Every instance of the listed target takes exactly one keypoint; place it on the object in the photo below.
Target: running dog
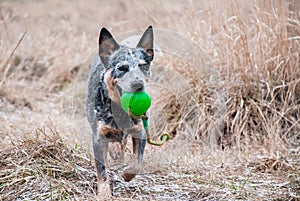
(117, 69)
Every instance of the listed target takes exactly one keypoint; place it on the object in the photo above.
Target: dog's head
(127, 69)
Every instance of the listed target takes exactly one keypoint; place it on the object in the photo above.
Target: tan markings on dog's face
(111, 87)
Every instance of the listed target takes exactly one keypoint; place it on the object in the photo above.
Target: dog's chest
(110, 115)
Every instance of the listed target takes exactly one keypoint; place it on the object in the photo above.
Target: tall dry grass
(251, 95)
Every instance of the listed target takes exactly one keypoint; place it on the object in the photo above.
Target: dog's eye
(123, 68)
(144, 67)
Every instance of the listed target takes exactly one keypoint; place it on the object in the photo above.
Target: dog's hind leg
(138, 151)
(116, 151)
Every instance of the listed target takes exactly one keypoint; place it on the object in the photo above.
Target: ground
(239, 55)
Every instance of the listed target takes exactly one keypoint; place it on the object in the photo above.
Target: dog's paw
(129, 173)
(104, 191)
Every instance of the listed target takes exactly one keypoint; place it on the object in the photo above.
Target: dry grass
(227, 86)
(251, 94)
(42, 167)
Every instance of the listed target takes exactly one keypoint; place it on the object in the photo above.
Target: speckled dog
(117, 69)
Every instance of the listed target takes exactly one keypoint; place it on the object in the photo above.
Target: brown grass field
(226, 83)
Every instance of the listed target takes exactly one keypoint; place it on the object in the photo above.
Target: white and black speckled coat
(117, 68)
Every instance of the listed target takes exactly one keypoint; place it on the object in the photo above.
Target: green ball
(138, 102)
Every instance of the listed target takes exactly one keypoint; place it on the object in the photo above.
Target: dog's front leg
(139, 143)
(100, 145)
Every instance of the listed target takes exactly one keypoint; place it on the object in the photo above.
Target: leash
(163, 139)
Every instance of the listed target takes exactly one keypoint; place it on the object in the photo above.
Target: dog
(117, 69)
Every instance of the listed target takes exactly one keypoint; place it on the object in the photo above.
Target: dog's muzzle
(137, 85)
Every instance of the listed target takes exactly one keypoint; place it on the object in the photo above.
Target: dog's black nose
(137, 85)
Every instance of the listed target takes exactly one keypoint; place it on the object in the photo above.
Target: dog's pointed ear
(146, 41)
(107, 45)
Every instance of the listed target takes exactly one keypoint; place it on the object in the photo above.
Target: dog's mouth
(140, 89)
(121, 91)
